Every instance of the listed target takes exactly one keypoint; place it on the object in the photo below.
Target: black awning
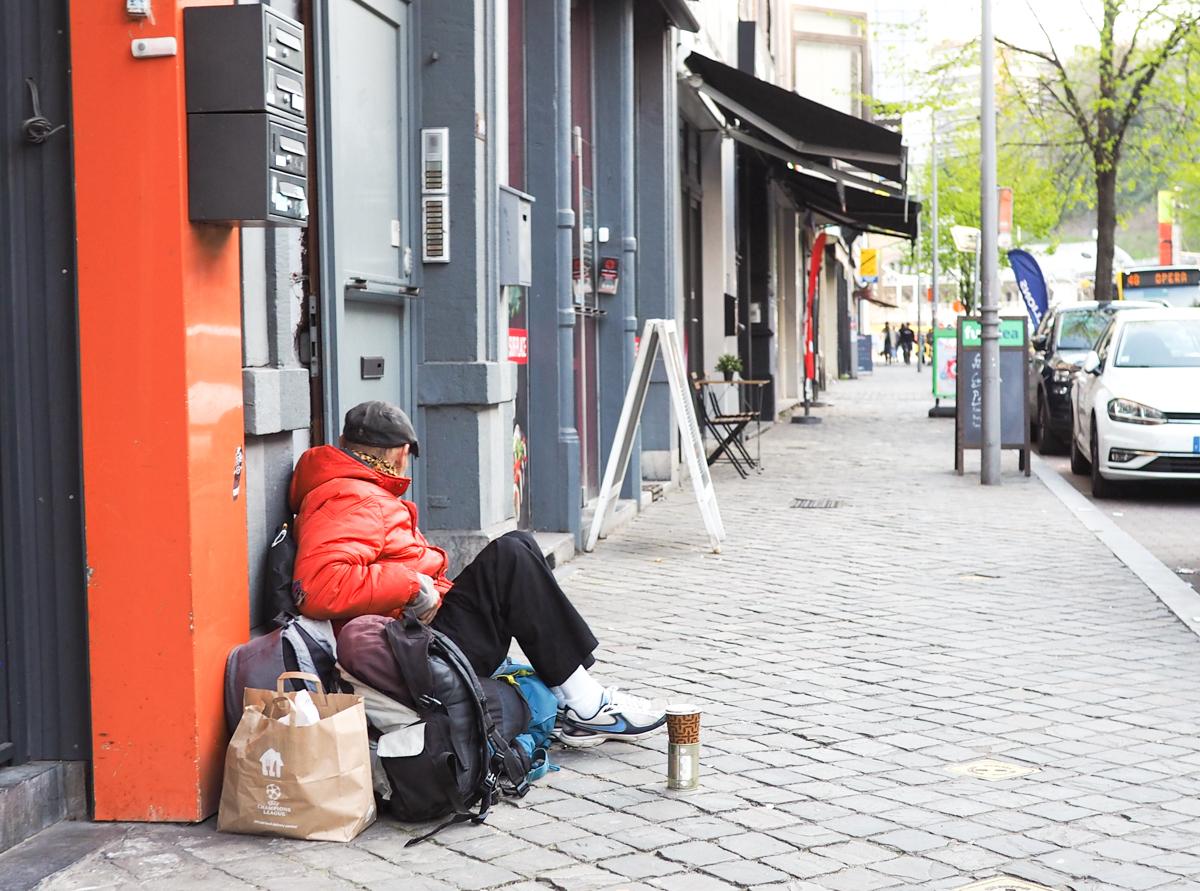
(853, 207)
(680, 15)
(798, 124)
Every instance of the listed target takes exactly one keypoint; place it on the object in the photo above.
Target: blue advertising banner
(1031, 284)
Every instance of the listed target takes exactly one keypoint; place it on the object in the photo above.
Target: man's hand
(425, 604)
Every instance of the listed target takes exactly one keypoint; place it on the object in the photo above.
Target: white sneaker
(621, 716)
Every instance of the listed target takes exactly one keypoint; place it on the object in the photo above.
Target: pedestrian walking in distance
(886, 352)
(908, 339)
(359, 552)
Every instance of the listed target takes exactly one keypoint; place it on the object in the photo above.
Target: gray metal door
(366, 214)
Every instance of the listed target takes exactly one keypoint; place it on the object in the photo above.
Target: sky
(1013, 20)
(1069, 22)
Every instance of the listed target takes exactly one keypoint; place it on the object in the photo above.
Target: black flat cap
(380, 424)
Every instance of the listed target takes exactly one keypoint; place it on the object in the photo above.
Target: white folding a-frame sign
(658, 334)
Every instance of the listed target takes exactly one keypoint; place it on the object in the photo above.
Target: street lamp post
(990, 311)
(933, 212)
(918, 296)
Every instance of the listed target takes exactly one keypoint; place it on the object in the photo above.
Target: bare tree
(1101, 102)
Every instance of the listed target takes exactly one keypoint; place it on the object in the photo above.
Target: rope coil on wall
(37, 128)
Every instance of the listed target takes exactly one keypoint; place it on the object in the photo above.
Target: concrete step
(624, 512)
(39, 794)
(557, 547)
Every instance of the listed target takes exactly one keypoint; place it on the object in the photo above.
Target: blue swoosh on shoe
(620, 726)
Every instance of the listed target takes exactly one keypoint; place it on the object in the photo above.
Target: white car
(1135, 404)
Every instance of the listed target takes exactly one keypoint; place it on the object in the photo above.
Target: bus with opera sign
(1175, 285)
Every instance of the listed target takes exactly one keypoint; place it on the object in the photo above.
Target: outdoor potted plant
(727, 364)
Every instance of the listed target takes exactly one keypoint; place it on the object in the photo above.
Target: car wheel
(1047, 442)
(1101, 487)
(1079, 464)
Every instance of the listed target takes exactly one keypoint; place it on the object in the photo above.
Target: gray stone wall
(275, 390)
(275, 386)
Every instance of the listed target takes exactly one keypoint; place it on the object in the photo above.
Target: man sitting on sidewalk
(359, 552)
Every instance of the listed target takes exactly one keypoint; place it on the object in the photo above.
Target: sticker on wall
(239, 462)
(610, 275)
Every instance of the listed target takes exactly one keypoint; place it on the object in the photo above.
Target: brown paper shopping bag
(308, 782)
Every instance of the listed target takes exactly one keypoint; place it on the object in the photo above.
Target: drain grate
(992, 769)
(816, 503)
(1003, 883)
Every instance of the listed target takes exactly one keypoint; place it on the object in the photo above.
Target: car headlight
(1131, 412)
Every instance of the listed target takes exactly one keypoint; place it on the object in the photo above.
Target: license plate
(1196, 445)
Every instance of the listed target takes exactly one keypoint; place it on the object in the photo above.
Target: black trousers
(509, 592)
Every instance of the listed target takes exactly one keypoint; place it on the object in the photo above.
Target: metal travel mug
(683, 747)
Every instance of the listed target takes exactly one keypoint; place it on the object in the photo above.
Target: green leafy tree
(1044, 178)
(1125, 95)
(1038, 206)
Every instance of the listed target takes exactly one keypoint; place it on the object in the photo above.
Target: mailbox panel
(516, 248)
(236, 57)
(245, 168)
(247, 141)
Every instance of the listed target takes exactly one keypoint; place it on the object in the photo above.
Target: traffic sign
(868, 264)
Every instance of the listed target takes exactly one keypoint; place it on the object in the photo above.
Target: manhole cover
(1003, 883)
(991, 769)
(815, 503)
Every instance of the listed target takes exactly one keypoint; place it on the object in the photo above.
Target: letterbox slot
(286, 92)
(288, 151)
(289, 198)
(285, 44)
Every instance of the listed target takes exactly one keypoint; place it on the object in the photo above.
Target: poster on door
(518, 353)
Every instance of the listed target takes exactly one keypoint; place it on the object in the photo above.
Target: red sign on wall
(518, 345)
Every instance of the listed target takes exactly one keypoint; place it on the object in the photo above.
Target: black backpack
(281, 590)
(470, 723)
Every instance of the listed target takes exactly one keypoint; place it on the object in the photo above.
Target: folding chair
(725, 428)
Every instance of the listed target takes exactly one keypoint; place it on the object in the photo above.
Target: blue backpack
(543, 710)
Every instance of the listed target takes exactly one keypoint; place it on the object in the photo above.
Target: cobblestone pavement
(846, 659)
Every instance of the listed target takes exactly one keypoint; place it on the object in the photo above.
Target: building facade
(482, 203)
(775, 152)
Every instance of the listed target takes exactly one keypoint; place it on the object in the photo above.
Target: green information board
(1014, 384)
(1012, 333)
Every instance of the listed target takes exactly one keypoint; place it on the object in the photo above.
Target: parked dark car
(1059, 346)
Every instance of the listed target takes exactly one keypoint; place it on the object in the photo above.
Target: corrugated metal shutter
(43, 651)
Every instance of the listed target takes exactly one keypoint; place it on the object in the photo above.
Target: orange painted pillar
(160, 350)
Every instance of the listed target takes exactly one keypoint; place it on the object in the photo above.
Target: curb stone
(1177, 595)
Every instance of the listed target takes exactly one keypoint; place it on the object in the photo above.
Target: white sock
(581, 693)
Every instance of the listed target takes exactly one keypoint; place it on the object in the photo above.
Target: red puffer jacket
(358, 545)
